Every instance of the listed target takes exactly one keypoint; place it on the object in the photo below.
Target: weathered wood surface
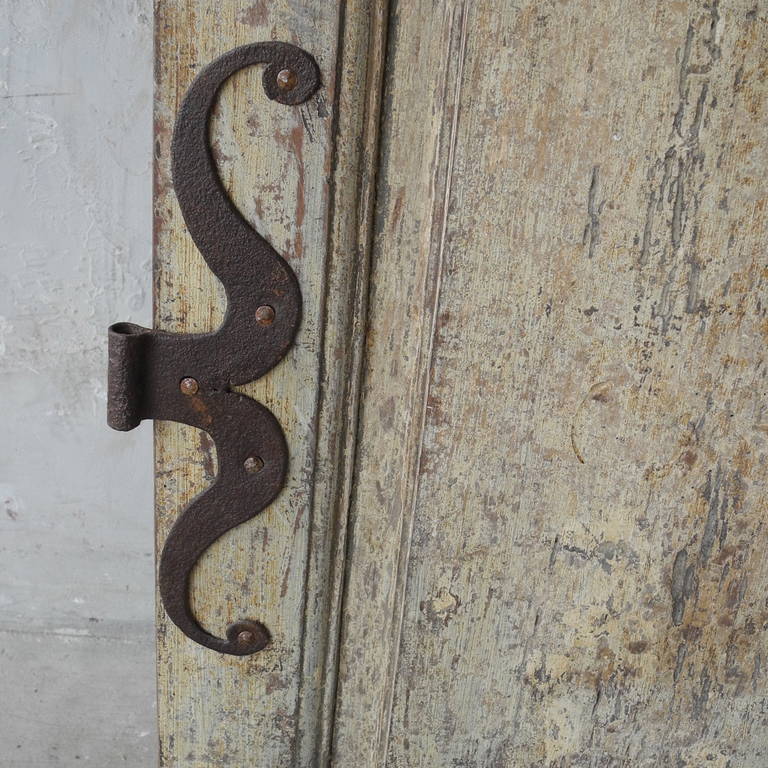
(557, 537)
(303, 178)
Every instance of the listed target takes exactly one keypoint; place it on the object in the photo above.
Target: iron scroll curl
(188, 378)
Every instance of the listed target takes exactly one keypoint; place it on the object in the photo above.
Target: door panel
(556, 537)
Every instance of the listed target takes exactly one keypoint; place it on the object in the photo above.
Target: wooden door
(526, 408)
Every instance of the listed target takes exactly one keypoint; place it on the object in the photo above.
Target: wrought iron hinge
(189, 377)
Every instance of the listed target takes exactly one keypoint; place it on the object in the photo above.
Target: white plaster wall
(76, 571)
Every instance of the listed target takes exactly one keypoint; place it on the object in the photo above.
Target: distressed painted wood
(303, 178)
(556, 536)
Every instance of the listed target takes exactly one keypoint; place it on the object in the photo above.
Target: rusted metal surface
(188, 378)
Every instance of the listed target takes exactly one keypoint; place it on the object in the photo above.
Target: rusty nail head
(189, 386)
(265, 315)
(286, 79)
(245, 637)
(253, 464)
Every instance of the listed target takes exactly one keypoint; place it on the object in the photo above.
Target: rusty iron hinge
(188, 378)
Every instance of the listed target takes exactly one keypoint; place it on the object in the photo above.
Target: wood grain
(301, 177)
(556, 536)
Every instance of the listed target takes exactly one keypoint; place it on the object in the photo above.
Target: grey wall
(76, 572)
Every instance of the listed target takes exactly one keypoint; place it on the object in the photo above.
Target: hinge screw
(265, 315)
(286, 79)
(245, 637)
(189, 386)
(253, 464)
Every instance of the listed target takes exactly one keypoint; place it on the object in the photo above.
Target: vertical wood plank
(405, 271)
(358, 107)
(298, 175)
(557, 531)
